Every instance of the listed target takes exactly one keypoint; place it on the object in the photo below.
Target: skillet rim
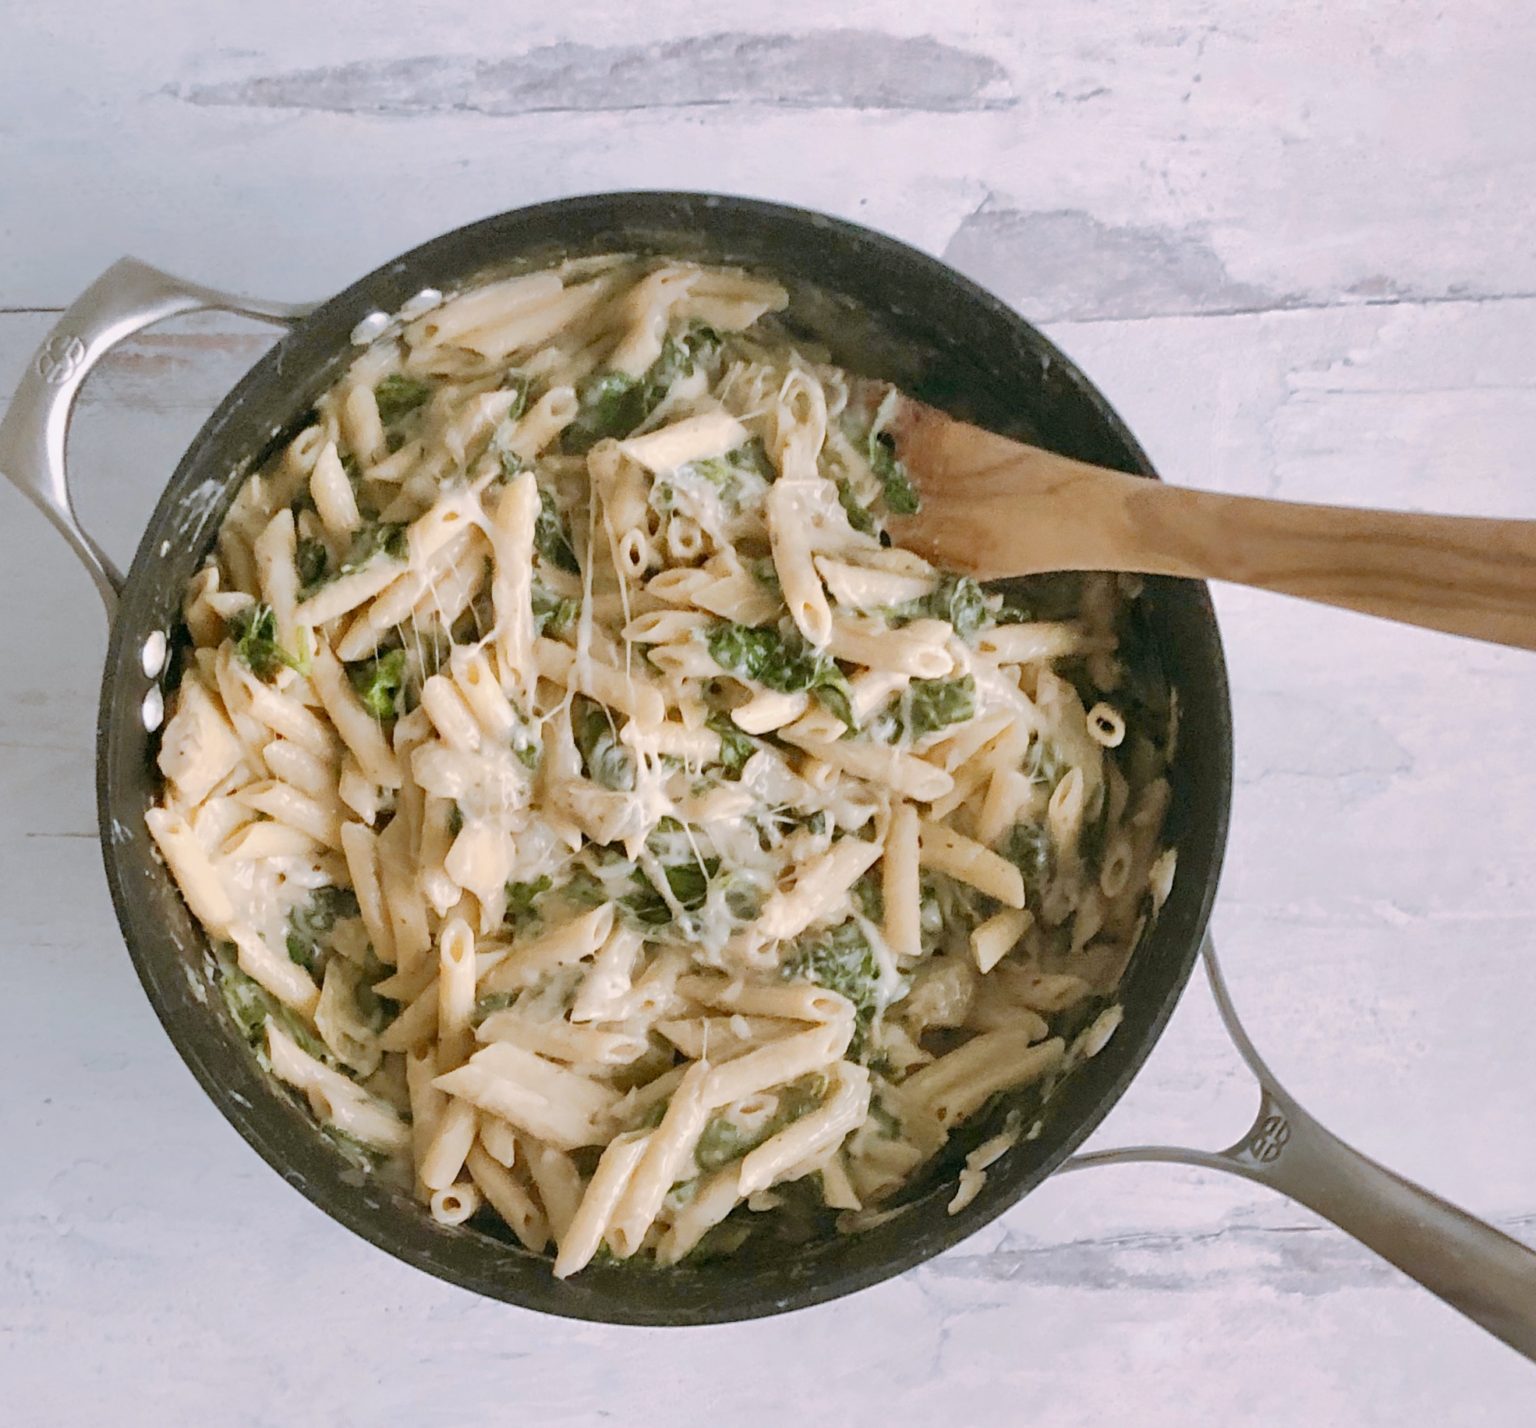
(307, 1161)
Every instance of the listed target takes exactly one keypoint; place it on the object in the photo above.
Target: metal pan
(885, 310)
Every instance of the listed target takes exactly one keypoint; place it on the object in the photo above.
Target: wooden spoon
(992, 508)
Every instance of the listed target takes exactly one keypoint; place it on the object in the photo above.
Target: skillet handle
(130, 295)
(1481, 1271)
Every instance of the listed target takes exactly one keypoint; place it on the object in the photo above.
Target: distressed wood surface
(1292, 245)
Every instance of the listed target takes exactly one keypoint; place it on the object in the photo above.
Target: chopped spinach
(386, 538)
(858, 514)
(900, 494)
(613, 404)
(735, 747)
(523, 898)
(308, 924)
(254, 631)
(957, 599)
(606, 761)
(928, 705)
(783, 662)
(687, 882)
(398, 396)
(1031, 851)
(722, 1140)
(551, 538)
(553, 615)
(250, 1004)
(380, 684)
(312, 558)
(841, 960)
(520, 384)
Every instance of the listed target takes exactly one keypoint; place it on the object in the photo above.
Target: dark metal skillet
(885, 310)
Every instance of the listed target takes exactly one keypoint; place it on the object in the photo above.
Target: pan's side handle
(1484, 1273)
(130, 295)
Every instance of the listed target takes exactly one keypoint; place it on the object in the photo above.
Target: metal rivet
(369, 328)
(424, 301)
(153, 709)
(153, 655)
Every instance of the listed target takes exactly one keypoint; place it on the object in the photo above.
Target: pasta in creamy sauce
(602, 824)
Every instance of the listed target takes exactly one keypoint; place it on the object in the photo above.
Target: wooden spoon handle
(997, 508)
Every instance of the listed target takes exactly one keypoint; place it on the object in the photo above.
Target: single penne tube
(1037, 641)
(451, 1141)
(558, 1105)
(795, 1001)
(358, 414)
(1008, 790)
(789, 525)
(584, 1234)
(538, 427)
(903, 774)
(416, 1024)
(193, 870)
(455, 993)
(426, 1103)
(900, 881)
(674, 740)
(960, 1082)
(859, 587)
(301, 768)
(946, 851)
(358, 730)
(561, 945)
(824, 1129)
(403, 900)
(661, 1166)
(334, 499)
(481, 690)
(719, 1038)
(819, 888)
(285, 804)
(711, 1203)
(837, 1191)
(482, 306)
(455, 1204)
(995, 938)
(557, 1181)
(511, 530)
(345, 593)
(449, 713)
(499, 1139)
(768, 710)
(359, 845)
(919, 649)
(777, 1063)
(334, 1098)
(270, 840)
(279, 974)
(560, 1041)
(626, 692)
(508, 1199)
(275, 553)
(693, 438)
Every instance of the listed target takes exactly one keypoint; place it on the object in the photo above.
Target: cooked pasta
(595, 817)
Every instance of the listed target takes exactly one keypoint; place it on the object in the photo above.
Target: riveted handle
(129, 296)
(1487, 1275)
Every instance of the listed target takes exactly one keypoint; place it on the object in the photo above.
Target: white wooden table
(1292, 243)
